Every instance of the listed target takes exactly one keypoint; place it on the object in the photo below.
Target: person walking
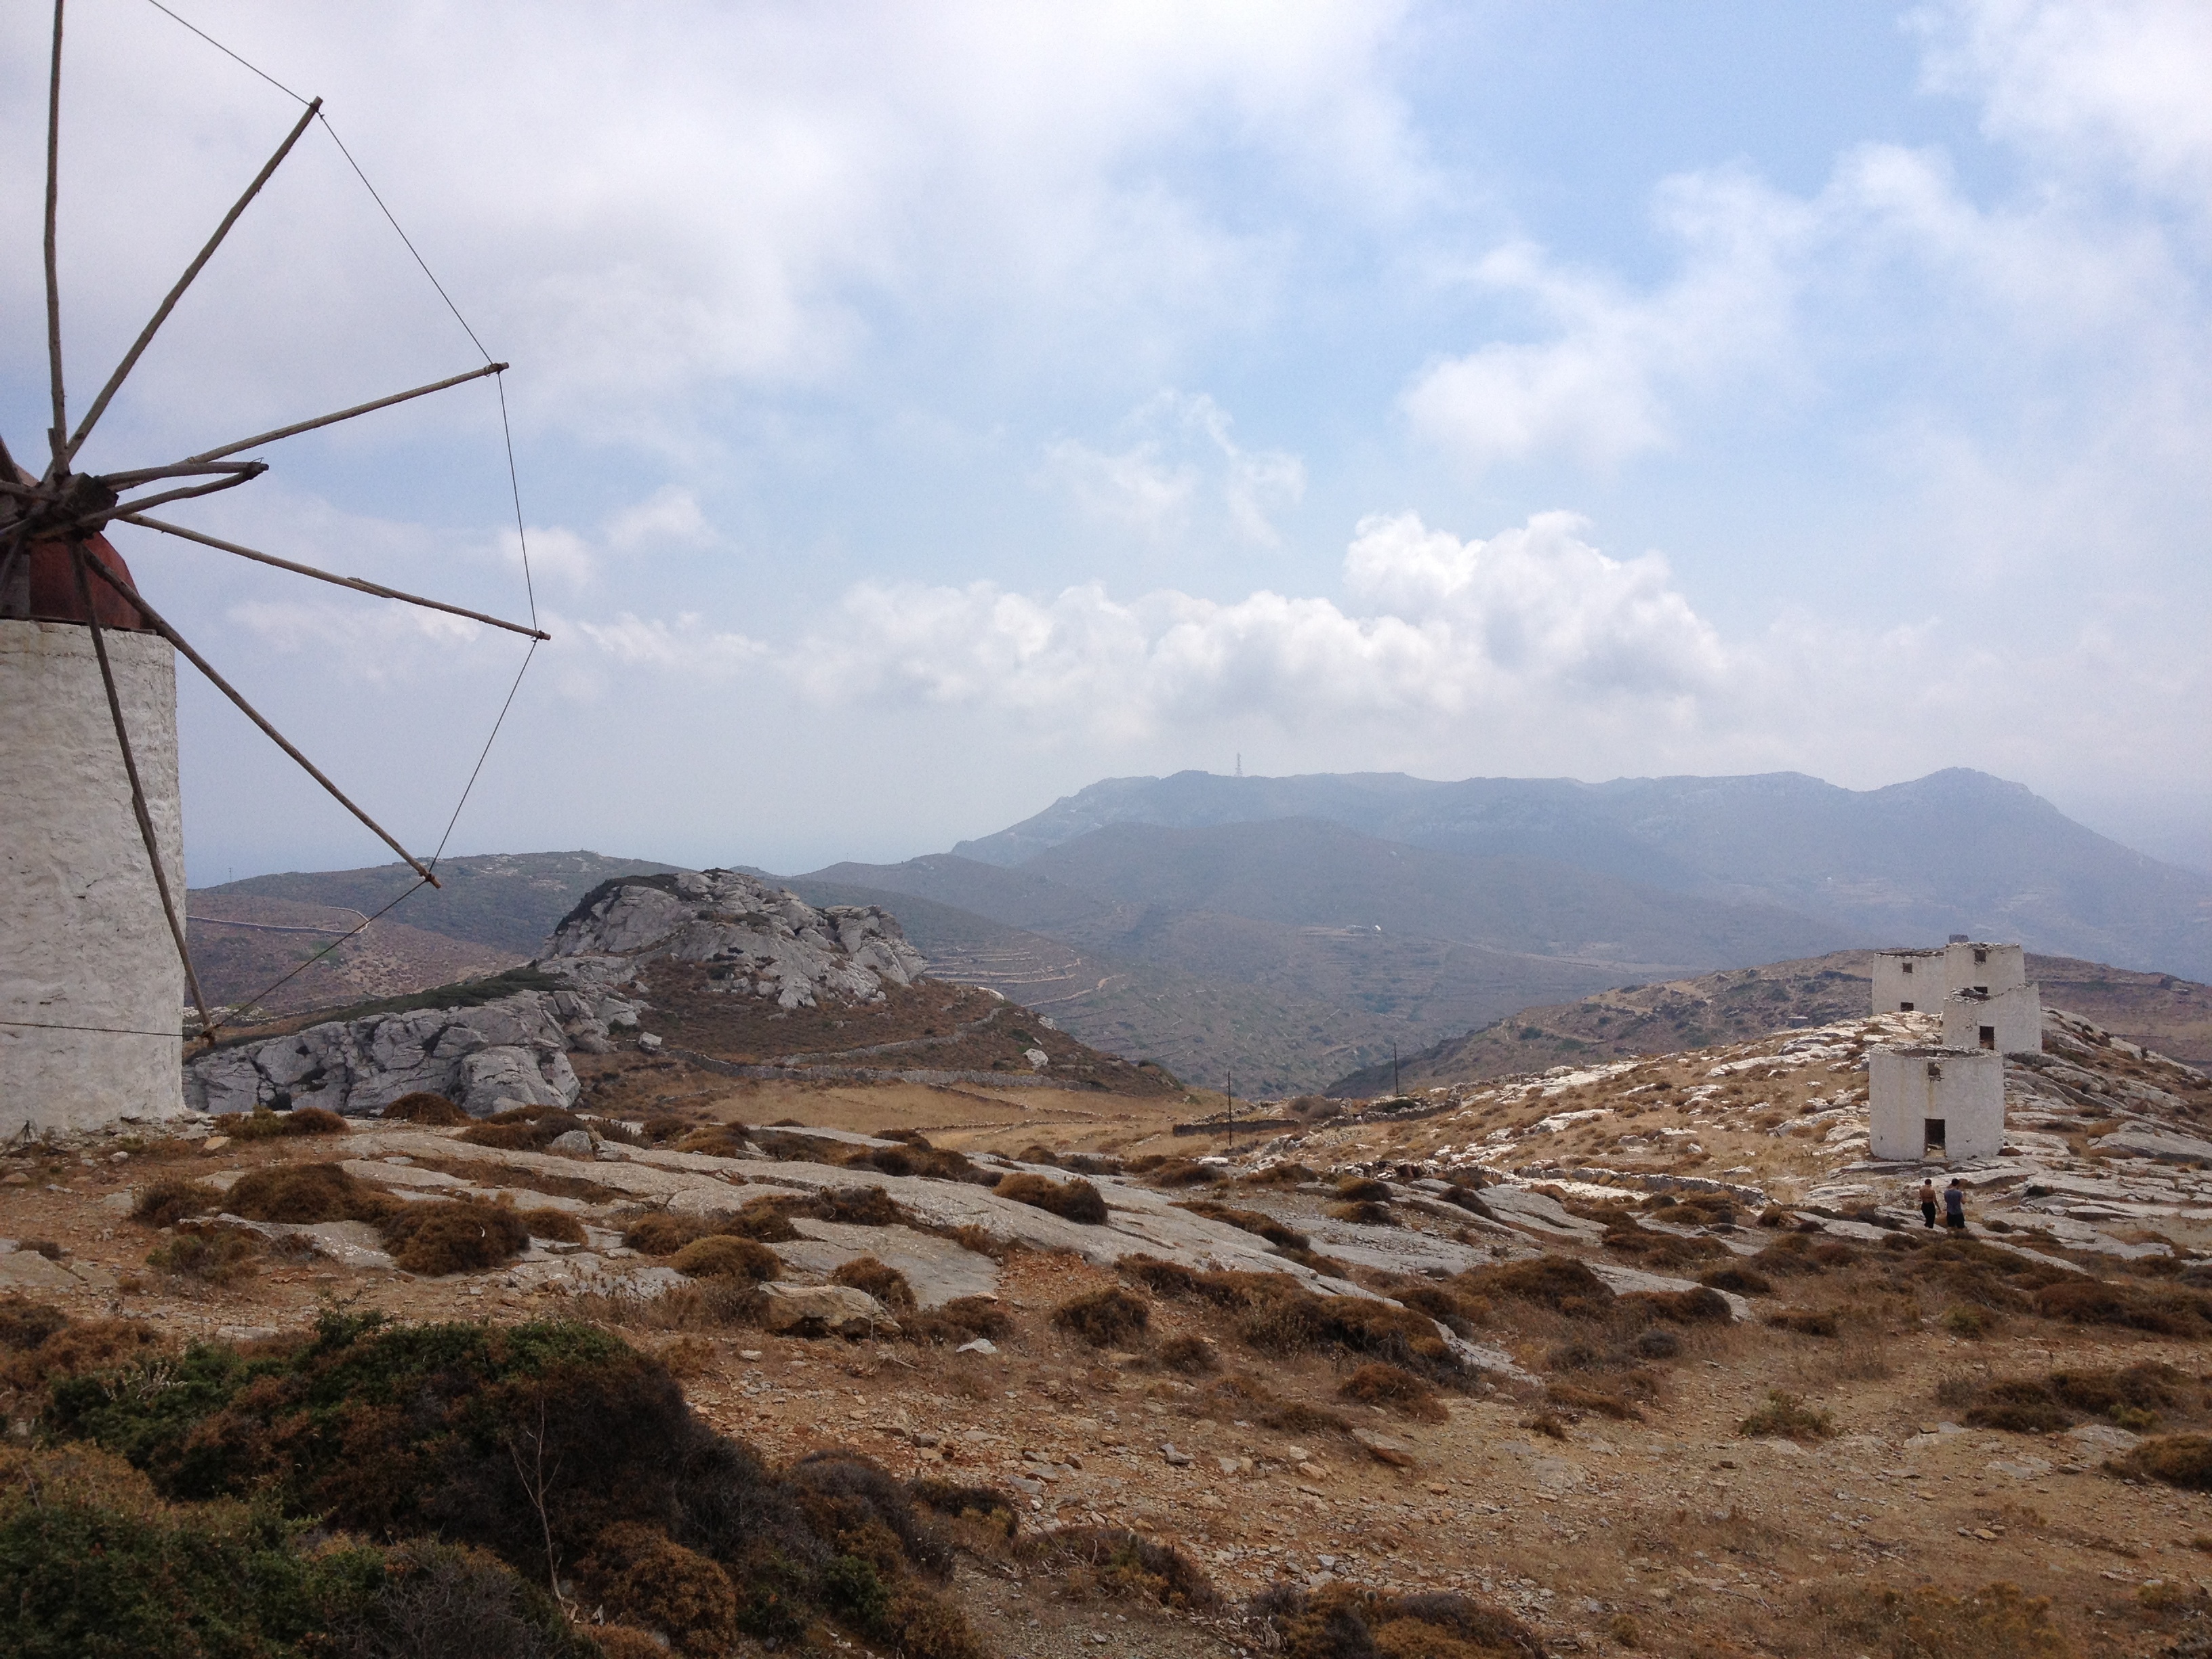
(1928, 1202)
(1954, 1205)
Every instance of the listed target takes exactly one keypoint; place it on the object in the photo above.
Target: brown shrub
(961, 1320)
(1113, 1561)
(641, 1575)
(1251, 1221)
(1192, 1355)
(1177, 1172)
(24, 1324)
(166, 1202)
(852, 1206)
(1743, 1280)
(1577, 1398)
(884, 1282)
(2170, 1312)
(1785, 1417)
(1363, 1189)
(715, 1140)
(767, 1219)
(218, 1257)
(75, 1349)
(425, 1107)
(558, 1226)
(1378, 1384)
(1699, 1307)
(1073, 1200)
(1163, 1278)
(2022, 1406)
(985, 1506)
(503, 1137)
(2176, 1459)
(1344, 1622)
(1104, 1318)
(622, 1642)
(660, 1233)
(264, 1124)
(1926, 1624)
(968, 1237)
(1366, 1213)
(1558, 1282)
(453, 1235)
(1803, 1323)
(307, 1192)
(718, 1255)
(2148, 1387)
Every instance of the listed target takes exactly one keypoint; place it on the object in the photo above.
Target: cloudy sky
(922, 411)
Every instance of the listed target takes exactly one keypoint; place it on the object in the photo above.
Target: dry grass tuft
(453, 1235)
(220, 1255)
(1071, 1201)
(266, 1125)
(1785, 1417)
(718, 1256)
(166, 1202)
(1194, 1356)
(884, 1282)
(307, 1192)
(556, 1226)
(1104, 1318)
(1926, 1624)
(424, 1106)
(1378, 1384)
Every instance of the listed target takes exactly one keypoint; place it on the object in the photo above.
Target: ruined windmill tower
(1946, 1100)
(88, 956)
(94, 967)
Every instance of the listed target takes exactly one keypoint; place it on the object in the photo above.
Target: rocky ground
(1586, 1466)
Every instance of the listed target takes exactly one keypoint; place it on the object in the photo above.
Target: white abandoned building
(90, 984)
(1949, 1100)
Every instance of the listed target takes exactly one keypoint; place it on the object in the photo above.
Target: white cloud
(1598, 390)
(2088, 83)
(1533, 618)
(1184, 462)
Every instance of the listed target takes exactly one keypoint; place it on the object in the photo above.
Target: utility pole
(1232, 1113)
(1394, 1069)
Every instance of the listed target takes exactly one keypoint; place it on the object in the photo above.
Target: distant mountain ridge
(1958, 850)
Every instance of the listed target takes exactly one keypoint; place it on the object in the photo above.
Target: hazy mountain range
(1291, 929)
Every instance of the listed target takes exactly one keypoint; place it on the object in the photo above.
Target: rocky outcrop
(510, 1051)
(757, 940)
(583, 995)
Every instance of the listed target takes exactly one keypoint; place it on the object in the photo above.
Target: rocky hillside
(265, 957)
(507, 902)
(1958, 850)
(2158, 1011)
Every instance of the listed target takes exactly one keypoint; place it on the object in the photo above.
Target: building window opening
(1980, 957)
(1904, 1007)
(1932, 1134)
(1907, 967)
(1981, 990)
(1989, 1037)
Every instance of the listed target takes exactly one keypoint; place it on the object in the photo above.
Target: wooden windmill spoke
(153, 620)
(142, 502)
(59, 433)
(79, 560)
(120, 481)
(354, 582)
(162, 314)
(342, 414)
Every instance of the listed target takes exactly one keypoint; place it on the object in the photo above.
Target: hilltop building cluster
(1947, 1100)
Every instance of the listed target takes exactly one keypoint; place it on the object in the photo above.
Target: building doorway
(1931, 1135)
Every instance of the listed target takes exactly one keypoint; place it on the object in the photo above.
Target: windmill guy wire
(514, 478)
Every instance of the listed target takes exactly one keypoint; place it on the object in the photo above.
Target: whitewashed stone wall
(1905, 981)
(1976, 965)
(2014, 1019)
(1908, 1087)
(83, 939)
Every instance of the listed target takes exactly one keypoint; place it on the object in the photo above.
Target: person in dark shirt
(1954, 1205)
(1928, 1203)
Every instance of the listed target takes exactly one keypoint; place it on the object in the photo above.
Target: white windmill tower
(94, 968)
